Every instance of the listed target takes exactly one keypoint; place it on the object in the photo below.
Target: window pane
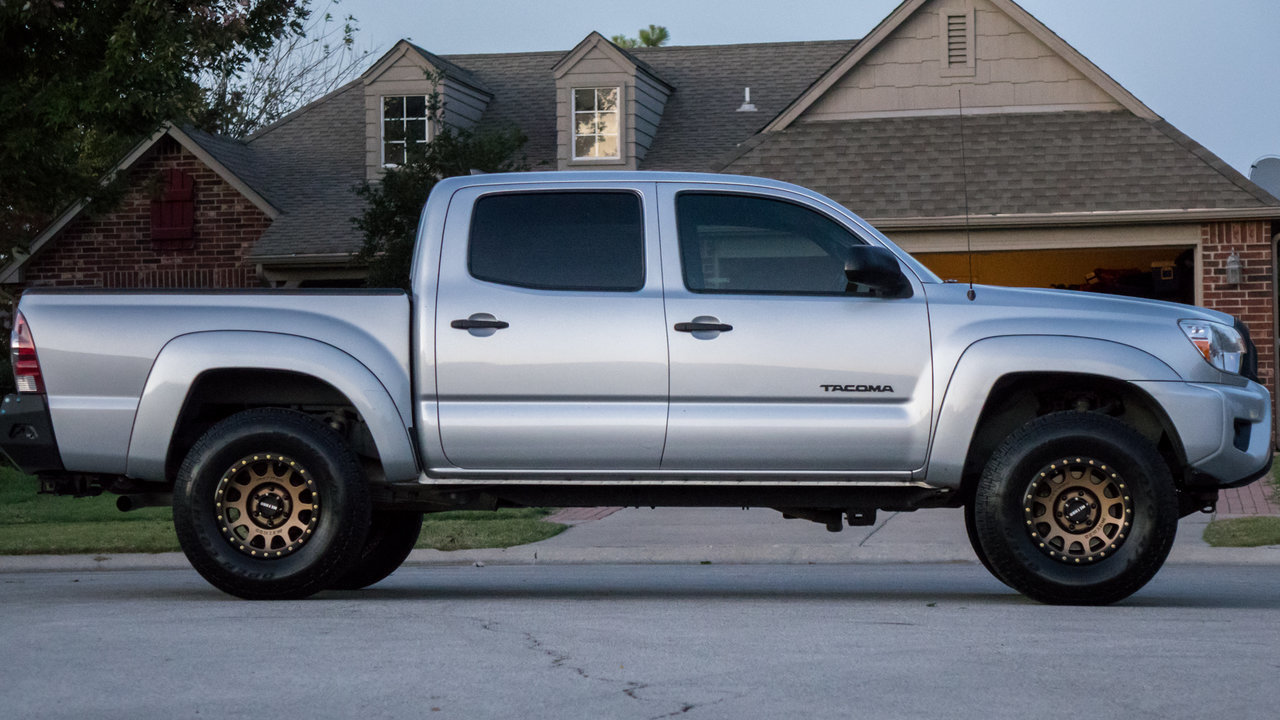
(392, 130)
(559, 241)
(393, 107)
(607, 98)
(608, 123)
(585, 123)
(392, 154)
(415, 130)
(744, 244)
(584, 99)
(584, 146)
(607, 146)
(415, 106)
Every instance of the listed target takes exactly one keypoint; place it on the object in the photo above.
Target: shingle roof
(701, 122)
(311, 165)
(1016, 163)
(308, 164)
(450, 70)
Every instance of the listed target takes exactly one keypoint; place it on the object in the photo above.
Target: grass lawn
(1247, 531)
(32, 524)
(1243, 532)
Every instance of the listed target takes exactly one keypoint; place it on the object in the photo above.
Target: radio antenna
(964, 183)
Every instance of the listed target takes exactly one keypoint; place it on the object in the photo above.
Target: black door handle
(470, 324)
(702, 327)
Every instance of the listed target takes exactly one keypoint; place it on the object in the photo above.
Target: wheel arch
(288, 369)
(991, 393)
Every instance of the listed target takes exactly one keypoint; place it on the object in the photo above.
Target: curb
(676, 555)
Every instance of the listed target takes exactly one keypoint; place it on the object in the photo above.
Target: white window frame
(573, 123)
(382, 128)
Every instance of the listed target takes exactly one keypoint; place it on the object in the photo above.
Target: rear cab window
(559, 240)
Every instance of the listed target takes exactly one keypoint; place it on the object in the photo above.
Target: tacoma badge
(857, 388)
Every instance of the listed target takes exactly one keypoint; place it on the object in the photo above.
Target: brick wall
(115, 250)
(1253, 299)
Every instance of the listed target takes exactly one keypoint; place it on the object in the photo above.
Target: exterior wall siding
(596, 69)
(406, 76)
(904, 74)
(115, 250)
(649, 99)
(462, 105)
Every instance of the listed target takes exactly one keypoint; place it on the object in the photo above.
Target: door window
(757, 245)
(559, 241)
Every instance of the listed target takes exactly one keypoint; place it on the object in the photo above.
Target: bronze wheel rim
(267, 505)
(1078, 510)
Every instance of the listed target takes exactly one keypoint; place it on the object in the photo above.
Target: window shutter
(173, 213)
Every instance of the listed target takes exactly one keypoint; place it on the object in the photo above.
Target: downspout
(1275, 345)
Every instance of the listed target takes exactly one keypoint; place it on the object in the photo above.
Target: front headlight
(1221, 345)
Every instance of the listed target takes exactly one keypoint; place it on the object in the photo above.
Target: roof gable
(1023, 67)
(209, 149)
(425, 60)
(597, 46)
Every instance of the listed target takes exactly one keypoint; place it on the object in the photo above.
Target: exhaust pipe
(125, 503)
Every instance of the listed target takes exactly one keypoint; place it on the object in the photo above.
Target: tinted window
(559, 240)
(744, 244)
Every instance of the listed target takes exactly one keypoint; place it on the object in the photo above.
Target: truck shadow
(945, 585)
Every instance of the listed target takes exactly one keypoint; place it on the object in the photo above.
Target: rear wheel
(1075, 508)
(270, 504)
(392, 535)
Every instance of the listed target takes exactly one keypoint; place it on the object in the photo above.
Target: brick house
(1071, 181)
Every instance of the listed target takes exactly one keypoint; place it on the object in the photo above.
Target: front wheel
(271, 504)
(1075, 508)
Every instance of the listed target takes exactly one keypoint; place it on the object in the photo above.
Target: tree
(297, 69)
(390, 221)
(654, 36)
(82, 81)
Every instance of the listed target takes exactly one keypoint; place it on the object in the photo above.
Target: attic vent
(957, 43)
(957, 40)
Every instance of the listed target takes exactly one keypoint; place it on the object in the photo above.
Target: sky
(1209, 67)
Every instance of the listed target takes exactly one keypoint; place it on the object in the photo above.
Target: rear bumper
(26, 434)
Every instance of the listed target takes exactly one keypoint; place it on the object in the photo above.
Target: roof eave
(343, 258)
(1075, 219)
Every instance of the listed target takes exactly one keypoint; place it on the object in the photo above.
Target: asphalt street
(641, 641)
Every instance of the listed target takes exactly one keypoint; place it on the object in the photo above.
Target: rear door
(775, 364)
(551, 351)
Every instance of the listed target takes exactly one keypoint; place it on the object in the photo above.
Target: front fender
(985, 362)
(186, 357)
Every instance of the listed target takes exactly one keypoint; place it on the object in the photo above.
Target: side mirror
(877, 269)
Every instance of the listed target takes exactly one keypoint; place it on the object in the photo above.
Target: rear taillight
(22, 351)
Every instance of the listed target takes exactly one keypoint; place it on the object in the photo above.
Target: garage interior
(1162, 273)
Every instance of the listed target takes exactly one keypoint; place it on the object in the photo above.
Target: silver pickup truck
(580, 339)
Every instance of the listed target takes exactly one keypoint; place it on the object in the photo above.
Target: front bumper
(1225, 430)
(26, 434)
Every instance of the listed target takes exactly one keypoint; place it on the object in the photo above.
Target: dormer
(396, 89)
(608, 106)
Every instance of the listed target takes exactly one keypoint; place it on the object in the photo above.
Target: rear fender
(186, 357)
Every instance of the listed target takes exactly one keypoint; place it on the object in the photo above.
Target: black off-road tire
(392, 535)
(978, 550)
(1069, 462)
(304, 505)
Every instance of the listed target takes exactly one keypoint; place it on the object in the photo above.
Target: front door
(550, 345)
(776, 364)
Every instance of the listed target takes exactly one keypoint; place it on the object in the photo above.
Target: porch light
(1235, 273)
